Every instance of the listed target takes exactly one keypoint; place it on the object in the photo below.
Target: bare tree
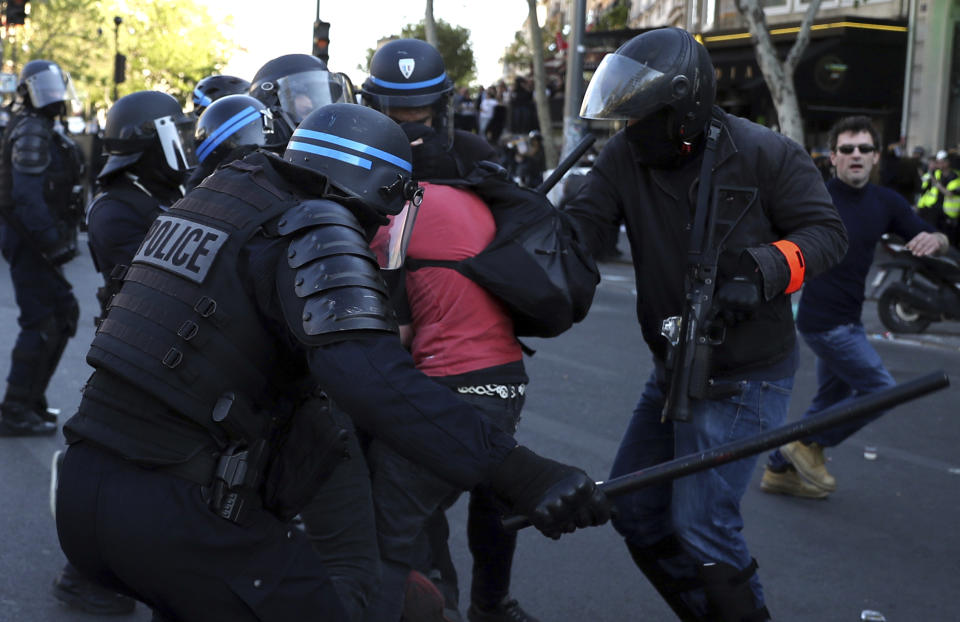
(540, 86)
(430, 26)
(776, 73)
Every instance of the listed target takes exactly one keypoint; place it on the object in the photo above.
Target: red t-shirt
(458, 327)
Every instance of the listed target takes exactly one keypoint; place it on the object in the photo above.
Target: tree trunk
(430, 26)
(540, 86)
(776, 73)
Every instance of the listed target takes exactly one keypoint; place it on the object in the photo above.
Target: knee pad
(673, 573)
(729, 594)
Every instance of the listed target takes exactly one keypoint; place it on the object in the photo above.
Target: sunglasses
(848, 149)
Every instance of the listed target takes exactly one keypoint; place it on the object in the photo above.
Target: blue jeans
(703, 509)
(847, 367)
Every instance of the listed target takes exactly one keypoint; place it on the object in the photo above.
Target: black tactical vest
(183, 331)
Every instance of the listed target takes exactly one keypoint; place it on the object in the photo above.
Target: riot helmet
(294, 85)
(149, 126)
(46, 86)
(409, 73)
(229, 123)
(362, 153)
(212, 88)
(659, 71)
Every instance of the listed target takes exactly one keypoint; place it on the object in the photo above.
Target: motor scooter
(927, 290)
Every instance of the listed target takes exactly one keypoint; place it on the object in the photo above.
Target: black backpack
(534, 265)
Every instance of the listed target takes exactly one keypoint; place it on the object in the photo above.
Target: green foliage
(614, 18)
(165, 51)
(519, 54)
(453, 42)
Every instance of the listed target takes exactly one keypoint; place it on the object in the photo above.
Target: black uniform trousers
(151, 535)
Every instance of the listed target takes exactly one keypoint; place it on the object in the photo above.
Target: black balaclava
(656, 144)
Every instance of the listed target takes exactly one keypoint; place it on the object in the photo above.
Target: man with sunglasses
(828, 318)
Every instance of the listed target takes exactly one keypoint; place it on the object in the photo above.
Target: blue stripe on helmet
(230, 127)
(199, 99)
(330, 153)
(407, 86)
(354, 145)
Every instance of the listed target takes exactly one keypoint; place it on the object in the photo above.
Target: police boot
(729, 594)
(676, 591)
(20, 419)
(78, 592)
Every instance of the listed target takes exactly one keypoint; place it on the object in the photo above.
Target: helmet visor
(302, 93)
(393, 251)
(622, 89)
(176, 140)
(50, 86)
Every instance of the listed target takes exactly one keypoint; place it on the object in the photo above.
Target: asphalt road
(886, 540)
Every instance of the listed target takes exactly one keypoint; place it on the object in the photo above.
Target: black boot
(19, 419)
(76, 591)
(729, 594)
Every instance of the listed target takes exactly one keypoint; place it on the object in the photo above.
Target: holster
(236, 481)
(230, 480)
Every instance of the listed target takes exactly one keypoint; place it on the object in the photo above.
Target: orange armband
(795, 262)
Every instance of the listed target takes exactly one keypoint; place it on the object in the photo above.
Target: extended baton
(830, 418)
(566, 163)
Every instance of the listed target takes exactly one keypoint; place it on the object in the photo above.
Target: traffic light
(321, 39)
(16, 12)
(119, 68)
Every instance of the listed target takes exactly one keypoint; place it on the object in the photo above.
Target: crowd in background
(507, 117)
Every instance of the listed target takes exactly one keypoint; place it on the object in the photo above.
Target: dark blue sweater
(835, 297)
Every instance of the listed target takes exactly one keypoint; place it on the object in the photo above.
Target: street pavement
(885, 541)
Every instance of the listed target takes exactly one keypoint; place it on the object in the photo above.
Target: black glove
(60, 246)
(557, 498)
(740, 284)
(432, 158)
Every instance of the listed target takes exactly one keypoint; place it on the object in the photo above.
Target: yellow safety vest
(929, 192)
(951, 204)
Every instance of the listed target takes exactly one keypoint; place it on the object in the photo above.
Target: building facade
(895, 60)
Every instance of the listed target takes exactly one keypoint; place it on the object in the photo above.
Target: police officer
(229, 129)
(294, 85)
(149, 153)
(40, 204)
(408, 82)
(939, 202)
(212, 88)
(137, 183)
(243, 297)
(774, 225)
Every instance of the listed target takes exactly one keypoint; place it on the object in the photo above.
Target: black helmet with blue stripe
(362, 153)
(212, 88)
(410, 73)
(229, 123)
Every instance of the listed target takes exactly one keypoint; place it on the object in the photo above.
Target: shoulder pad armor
(317, 212)
(330, 286)
(30, 142)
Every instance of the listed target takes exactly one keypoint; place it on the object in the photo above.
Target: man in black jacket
(775, 224)
(195, 441)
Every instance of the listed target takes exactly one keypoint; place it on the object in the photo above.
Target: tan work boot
(789, 483)
(810, 464)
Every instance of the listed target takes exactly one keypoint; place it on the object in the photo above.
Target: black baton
(728, 452)
(566, 163)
